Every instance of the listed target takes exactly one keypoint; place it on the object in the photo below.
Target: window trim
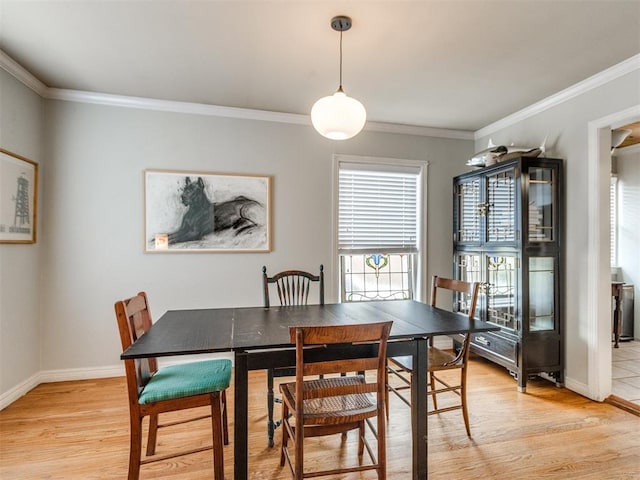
(421, 286)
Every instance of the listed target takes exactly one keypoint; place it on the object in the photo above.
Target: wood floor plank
(79, 430)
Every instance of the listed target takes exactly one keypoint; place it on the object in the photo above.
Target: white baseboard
(579, 387)
(49, 376)
(10, 396)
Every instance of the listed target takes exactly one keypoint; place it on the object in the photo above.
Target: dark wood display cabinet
(507, 235)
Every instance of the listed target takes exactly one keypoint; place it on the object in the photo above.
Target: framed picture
(206, 212)
(18, 198)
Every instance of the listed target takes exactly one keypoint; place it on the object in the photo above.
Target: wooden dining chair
(439, 359)
(292, 288)
(154, 390)
(336, 404)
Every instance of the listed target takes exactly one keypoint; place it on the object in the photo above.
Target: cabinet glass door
(541, 294)
(468, 269)
(501, 203)
(467, 221)
(541, 204)
(502, 290)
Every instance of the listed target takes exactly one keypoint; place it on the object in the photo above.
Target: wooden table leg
(241, 422)
(419, 411)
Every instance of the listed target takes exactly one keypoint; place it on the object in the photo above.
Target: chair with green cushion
(154, 390)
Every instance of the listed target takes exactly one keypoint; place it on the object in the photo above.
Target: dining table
(258, 338)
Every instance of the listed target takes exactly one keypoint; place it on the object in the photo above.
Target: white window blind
(377, 209)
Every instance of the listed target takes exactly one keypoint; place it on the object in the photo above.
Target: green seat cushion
(187, 379)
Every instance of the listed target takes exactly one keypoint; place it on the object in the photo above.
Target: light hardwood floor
(79, 430)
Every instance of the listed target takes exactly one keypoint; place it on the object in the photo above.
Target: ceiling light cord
(340, 83)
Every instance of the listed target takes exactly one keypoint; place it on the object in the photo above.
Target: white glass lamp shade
(338, 116)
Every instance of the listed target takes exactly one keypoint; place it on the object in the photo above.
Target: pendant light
(338, 116)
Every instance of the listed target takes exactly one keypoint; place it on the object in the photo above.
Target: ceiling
(445, 64)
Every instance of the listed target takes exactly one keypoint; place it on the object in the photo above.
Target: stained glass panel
(377, 276)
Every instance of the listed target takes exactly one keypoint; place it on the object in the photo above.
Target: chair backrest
(134, 320)
(469, 289)
(370, 359)
(463, 288)
(293, 286)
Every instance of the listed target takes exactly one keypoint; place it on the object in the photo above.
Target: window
(613, 198)
(379, 229)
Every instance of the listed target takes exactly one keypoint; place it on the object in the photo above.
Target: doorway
(625, 231)
(599, 265)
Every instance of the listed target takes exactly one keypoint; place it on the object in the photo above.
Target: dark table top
(185, 332)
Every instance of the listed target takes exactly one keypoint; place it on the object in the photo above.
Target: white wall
(57, 296)
(93, 253)
(628, 166)
(567, 127)
(21, 131)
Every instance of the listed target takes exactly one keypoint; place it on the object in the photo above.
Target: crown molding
(173, 106)
(18, 71)
(419, 131)
(233, 112)
(595, 81)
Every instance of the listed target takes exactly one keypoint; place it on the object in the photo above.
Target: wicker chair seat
(437, 359)
(331, 409)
